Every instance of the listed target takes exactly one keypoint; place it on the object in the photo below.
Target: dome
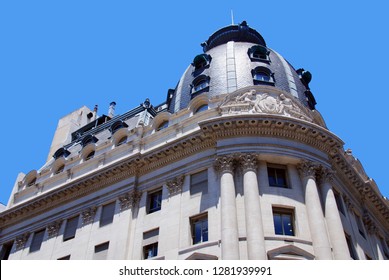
(236, 57)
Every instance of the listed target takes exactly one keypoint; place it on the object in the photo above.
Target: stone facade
(255, 176)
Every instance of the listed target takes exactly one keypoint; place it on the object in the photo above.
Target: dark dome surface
(232, 58)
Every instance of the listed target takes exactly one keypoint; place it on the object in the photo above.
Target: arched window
(259, 53)
(163, 125)
(201, 108)
(60, 169)
(262, 75)
(122, 140)
(90, 155)
(200, 84)
(31, 182)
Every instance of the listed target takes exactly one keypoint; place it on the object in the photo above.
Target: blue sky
(56, 56)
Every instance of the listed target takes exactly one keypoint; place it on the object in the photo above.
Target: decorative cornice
(175, 185)
(224, 164)
(21, 241)
(88, 215)
(53, 229)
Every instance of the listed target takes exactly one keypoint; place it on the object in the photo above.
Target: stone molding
(21, 241)
(88, 215)
(53, 229)
(175, 185)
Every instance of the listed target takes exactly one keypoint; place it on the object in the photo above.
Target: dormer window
(201, 108)
(163, 125)
(117, 125)
(259, 53)
(31, 182)
(201, 61)
(262, 75)
(90, 155)
(89, 139)
(200, 84)
(122, 141)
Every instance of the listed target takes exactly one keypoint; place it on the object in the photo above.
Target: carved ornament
(175, 186)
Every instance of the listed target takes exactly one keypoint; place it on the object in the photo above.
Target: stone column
(332, 217)
(321, 244)
(229, 221)
(254, 226)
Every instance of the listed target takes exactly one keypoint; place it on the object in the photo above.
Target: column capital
(175, 185)
(349, 204)
(307, 168)
(129, 200)
(325, 175)
(88, 215)
(224, 164)
(21, 240)
(248, 162)
(53, 228)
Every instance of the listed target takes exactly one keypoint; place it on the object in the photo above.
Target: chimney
(111, 110)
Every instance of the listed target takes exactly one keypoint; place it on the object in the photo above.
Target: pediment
(289, 252)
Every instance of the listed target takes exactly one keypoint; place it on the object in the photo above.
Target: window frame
(37, 240)
(285, 173)
(70, 228)
(268, 73)
(202, 185)
(104, 218)
(200, 219)
(102, 247)
(255, 49)
(284, 212)
(150, 195)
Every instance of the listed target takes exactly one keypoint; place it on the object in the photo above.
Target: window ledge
(199, 246)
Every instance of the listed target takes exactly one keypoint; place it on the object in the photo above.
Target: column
(332, 217)
(254, 226)
(229, 221)
(321, 244)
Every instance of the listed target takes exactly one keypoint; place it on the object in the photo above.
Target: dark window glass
(122, 141)
(339, 202)
(202, 108)
(351, 248)
(283, 222)
(155, 201)
(199, 229)
(199, 182)
(360, 226)
(262, 76)
(277, 177)
(150, 251)
(64, 258)
(101, 251)
(6, 250)
(200, 85)
(107, 214)
(37, 241)
(90, 155)
(70, 229)
(163, 125)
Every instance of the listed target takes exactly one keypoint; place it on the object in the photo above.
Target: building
(236, 164)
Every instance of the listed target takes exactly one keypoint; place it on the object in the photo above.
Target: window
(65, 258)
(70, 229)
(37, 241)
(202, 108)
(31, 182)
(262, 75)
(199, 227)
(339, 202)
(107, 213)
(277, 177)
(101, 251)
(122, 141)
(90, 155)
(154, 201)
(6, 250)
(60, 169)
(259, 53)
(201, 61)
(360, 226)
(351, 248)
(200, 84)
(163, 125)
(199, 182)
(283, 221)
(150, 251)
(150, 243)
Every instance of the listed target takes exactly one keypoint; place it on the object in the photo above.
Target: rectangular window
(154, 201)
(277, 177)
(360, 226)
(107, 213)
(64, 258)
(351, 248)
(283, 221)
(37, 240)
(199, 182)
(150, 243)
(6, 250)
(339, 202)
(199, 228)
(101, 251)
(70, 229)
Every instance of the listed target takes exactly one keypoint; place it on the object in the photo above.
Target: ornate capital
(224, 164)
(175, 185)
(325, 175)
(349, 204)
(21, 241)
(129, 200)
(248, 162)
(53, 228)
(88, 215)
(307, 168)
(370, 225)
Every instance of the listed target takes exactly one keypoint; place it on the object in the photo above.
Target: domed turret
(236, 57)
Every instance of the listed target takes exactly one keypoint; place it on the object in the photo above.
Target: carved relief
(21, 241)
(88, 215)
(248, 162)
(175, 186)
(129, 200)
(325, 175)
(263, 103)
(53, 228)
(307, 168)
(224, 164)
